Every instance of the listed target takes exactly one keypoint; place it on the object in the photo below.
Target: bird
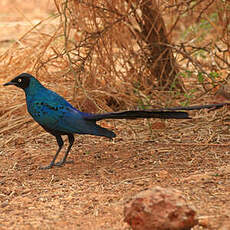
(59, 118)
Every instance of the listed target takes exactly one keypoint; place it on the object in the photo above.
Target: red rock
(159, 209)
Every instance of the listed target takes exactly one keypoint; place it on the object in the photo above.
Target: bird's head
(21, 81)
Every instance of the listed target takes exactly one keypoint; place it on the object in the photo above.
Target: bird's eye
(19, 80)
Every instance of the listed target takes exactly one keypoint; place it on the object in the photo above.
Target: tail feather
(100, 131)
(167, 113)
(134, 114)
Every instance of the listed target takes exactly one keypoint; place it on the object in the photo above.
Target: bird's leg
(60, 144)
(63, 161)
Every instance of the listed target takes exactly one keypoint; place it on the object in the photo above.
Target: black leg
(60, 144)
(71, 141)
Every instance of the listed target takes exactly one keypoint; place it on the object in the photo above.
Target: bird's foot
(60, 163)
(46, 167)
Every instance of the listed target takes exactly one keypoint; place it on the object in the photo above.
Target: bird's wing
(47, 114)
(64, 118)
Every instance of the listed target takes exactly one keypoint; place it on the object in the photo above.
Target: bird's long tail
(167, 113)
(134, 114)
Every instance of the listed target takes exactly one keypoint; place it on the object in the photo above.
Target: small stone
(4, 203)
(159, 209)
(206, 222)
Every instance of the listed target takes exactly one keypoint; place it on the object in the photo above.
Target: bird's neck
(35, 89)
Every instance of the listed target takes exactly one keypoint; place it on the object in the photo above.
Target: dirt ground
(192, 156)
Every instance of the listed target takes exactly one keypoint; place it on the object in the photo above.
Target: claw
(46, 167)
(60, 163)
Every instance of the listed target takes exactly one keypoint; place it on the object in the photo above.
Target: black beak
(9, 83)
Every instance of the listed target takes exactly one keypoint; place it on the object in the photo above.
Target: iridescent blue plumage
(58, 116)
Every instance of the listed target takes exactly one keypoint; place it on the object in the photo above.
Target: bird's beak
(10, 83)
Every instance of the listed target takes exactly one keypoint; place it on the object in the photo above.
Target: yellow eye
(19, 80)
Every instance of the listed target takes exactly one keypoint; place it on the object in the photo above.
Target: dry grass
(93, 48)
